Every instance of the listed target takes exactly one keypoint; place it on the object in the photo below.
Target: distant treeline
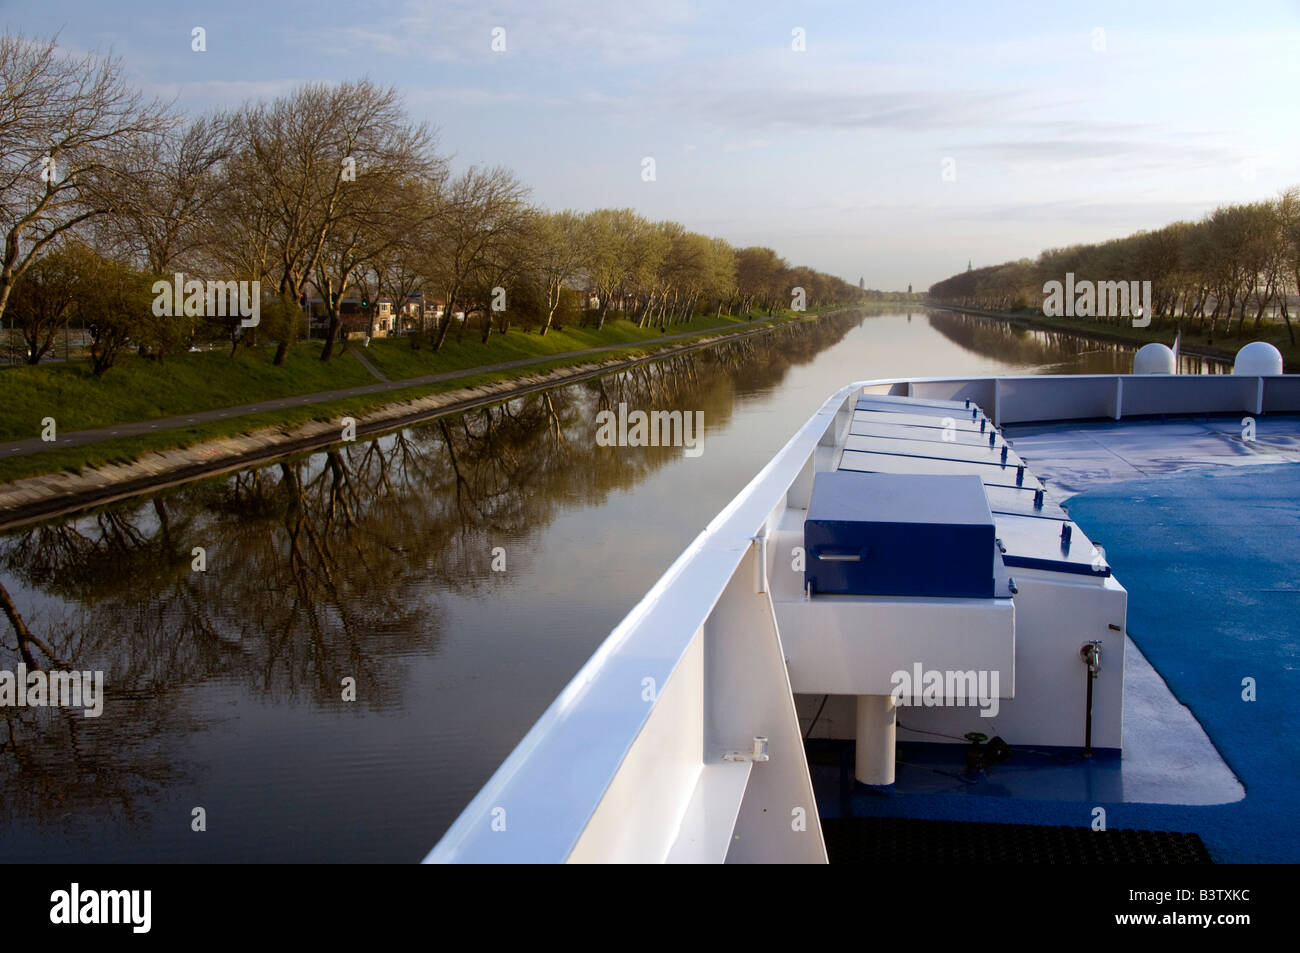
(1238, 262)
(329, 192)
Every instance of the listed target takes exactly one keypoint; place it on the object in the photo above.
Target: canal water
(374, 628)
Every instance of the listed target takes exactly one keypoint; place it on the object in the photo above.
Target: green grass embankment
(140, 389)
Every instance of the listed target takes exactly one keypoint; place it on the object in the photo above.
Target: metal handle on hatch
(838, 557)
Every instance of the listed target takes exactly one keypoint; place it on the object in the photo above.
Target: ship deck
(1199, 517)
(1202, 526)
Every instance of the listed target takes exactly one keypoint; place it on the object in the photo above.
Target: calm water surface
(374, 562)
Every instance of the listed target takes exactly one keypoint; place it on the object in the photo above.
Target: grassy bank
(1161, 331)
(395, 358)
(141, 389)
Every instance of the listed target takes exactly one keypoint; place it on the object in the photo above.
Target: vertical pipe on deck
(877, 724)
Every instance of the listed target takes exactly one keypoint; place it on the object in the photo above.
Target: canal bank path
(80, 438)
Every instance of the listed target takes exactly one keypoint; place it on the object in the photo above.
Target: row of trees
(330, 191)
(1238, 262)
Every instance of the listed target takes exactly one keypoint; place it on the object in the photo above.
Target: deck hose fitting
(1091, 655)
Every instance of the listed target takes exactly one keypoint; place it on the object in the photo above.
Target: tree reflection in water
(1043, 349)
(318, 568)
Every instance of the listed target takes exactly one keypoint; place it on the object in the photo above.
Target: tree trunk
(445, 325)
(24, 634)
(331, 335)
(552, 305)
(1287, 318)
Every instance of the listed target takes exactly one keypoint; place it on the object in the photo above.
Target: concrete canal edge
(50, 495)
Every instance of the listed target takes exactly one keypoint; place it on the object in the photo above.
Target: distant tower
(909, 289)
(968, 268)
(862, 284)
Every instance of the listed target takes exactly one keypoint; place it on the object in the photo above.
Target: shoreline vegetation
(325, 212)
(1230, 278)
(51, 482)
(1160, 332)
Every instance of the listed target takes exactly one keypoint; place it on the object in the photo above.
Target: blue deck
(1203, 530)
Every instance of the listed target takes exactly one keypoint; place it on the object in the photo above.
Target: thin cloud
(225, 92)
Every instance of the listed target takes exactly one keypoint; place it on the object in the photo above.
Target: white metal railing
(537, 805)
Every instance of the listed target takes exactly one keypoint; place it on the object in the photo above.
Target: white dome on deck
(1258, 359)
(1153, 359)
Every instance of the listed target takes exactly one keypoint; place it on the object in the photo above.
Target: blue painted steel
(1079, 456)
(1211, 560)
(899, 535)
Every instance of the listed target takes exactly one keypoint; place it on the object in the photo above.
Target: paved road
(82, 437)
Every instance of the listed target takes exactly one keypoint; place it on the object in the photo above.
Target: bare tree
(483, 211)
(395, 273)
(380, 216)
(67, 129)
(312, 152)
(1287, 262)
(626, 251)
(164, 206)
(759, 274)
(560, 249)
(240, 243)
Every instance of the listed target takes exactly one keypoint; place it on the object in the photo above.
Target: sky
(902, 141)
